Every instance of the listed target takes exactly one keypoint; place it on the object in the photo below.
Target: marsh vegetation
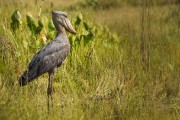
(124, 61)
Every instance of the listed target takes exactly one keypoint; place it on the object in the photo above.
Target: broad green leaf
(16, 20)
(51, 35)
(31, 23)
(40, 23)
(39, 28)
(51, 26)
(86, 26)
(78, 19)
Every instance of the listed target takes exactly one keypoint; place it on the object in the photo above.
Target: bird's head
(61, 19)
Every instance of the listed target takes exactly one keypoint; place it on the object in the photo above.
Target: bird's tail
(23, 80)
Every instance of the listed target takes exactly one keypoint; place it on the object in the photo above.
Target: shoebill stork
(51, 56)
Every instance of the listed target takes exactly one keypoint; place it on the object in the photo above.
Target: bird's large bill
(68, 26)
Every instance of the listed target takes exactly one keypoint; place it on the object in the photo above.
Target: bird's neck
(61, 33)
(60, 29)
(62, 37)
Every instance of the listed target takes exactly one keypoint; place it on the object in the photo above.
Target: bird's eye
(65, 16)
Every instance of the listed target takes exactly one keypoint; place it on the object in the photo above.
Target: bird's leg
(50, 89)
(50, 86)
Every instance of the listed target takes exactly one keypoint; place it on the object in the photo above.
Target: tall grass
(134, 75)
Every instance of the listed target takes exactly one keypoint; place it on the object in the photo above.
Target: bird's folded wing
(50, 49)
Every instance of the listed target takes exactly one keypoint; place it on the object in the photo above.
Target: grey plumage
(51, 56)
